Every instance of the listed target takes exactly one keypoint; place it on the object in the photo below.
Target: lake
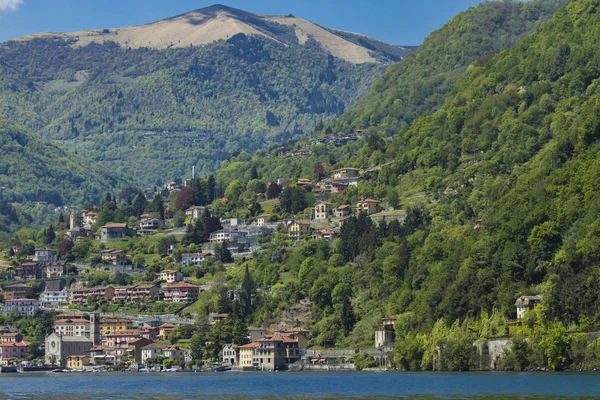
(300, 385)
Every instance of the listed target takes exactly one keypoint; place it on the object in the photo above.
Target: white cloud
(10, 5)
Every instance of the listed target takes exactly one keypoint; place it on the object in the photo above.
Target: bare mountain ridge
(220, 22)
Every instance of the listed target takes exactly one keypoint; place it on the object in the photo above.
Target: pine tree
(49, 235)
(253, 173)
(211, 186)
(61, 219)
(158, 206)
(347, 316)
(139, 204)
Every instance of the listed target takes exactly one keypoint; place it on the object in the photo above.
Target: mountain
(33, 169)
(501, 196)
(219, 22)
(188, 90)
(420, 84)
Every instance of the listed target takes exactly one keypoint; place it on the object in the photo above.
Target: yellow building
(323, 210)
(368, 206)
(110, 325)
(299, 229)
(77, 362)
(246, 353)
(165, 331)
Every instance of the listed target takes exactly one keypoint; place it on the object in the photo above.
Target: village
(93, 329)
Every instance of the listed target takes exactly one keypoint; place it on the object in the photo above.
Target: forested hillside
(420, 84)
(181, 105)
(35, 170)
(500, 187)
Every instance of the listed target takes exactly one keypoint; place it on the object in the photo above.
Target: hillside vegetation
(420, 84)
(35, 170)
(500, 186)
(181, 105)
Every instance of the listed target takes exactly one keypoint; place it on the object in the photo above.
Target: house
(337, 187)
(149, 225)
(77, 362)
(304, 182)
(150, 332)
(325, 233)
(88, 218)
(229, 354)
(112, 232)
(165, 331)
(322, 210)
(298, 230)
(194, 259)
(135, 293)
(275, 352)
(29, 271)
(246, 355)
(55, 269)
(21, 307)
(342, 211)
(174, 353)
(234, 221)
(170, 276)
(115, 257)
(172, 186)
(56, 292)
(44, 255)
(389, 216)
(525, 303)
(72, 327)
(194, 212)
(12, 351)
(226, 236)
(368, 206)
(11, 337)
(181, 293)
(18, 291)
(150, 351)
(214, 318)
(262, 220)
(109, 325)
(134, 349)
(386, 333)
(345, 173)
(80, 296)
(121, 338)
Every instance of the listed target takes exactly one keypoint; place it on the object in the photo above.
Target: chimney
(72, 221)
(193, 171)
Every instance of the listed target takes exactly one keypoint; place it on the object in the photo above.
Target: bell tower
(95, 328)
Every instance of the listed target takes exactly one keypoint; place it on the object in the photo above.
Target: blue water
(301, 385)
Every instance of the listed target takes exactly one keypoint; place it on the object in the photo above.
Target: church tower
(95, 328)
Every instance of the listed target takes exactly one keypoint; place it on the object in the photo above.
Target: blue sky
(393, 21)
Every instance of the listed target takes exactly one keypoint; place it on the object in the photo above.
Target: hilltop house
(368, 206)
(298, 230)
(181, 293)
(56, 292)
(322, 210)
(325, 233)
(342, 211)
(525, 303)
(29, 271)
(150, 225)
(115, 257)
(18, 291)
(226, 236)
(112, 232)
(44, 255)
(194, 259)
(136, 292)
(21, 307)
(170, 276)
(55, 269)
(80, 296)
(344, 173)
